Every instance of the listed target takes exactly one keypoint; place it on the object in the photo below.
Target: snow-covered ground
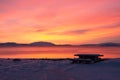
(58, 70)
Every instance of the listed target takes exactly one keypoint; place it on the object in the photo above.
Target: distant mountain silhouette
(13, 44)
(109, 44)
(64, 45)
(103, 44)
(8, 44)
(31, 44)
(88, 45)
(42, 44)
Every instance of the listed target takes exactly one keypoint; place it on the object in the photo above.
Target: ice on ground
(58, 70)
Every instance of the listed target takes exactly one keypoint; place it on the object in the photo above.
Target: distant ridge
(103, 44)
(42, 43)
(31, 44)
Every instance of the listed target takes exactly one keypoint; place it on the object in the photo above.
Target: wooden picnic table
(87, 58)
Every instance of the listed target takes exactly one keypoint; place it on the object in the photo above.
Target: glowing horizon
(60, 21)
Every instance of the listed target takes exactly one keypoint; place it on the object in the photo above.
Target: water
(56, 52)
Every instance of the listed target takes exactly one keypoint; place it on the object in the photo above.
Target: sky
(60, 21)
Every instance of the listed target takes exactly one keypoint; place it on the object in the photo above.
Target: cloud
(74, 32)
(85, 31)
(112, 25)
(41, 30)
(71, 32)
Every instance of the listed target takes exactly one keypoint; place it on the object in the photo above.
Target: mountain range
(13, 44)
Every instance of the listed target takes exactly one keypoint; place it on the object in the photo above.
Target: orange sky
(60, 21)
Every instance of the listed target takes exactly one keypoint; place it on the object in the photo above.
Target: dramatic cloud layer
(60, 21)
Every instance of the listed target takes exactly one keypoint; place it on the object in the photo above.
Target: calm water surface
(56, 52)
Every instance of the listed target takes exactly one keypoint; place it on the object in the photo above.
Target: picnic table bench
(87, 58)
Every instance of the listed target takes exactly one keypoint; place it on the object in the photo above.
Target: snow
(28, 69)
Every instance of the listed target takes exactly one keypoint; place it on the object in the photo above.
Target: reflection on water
(56, 52)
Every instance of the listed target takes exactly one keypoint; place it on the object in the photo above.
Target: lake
(56, 52)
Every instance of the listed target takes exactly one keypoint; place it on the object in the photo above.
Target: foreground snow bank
(58, 70)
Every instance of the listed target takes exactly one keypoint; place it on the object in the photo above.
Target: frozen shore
(58, 70)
